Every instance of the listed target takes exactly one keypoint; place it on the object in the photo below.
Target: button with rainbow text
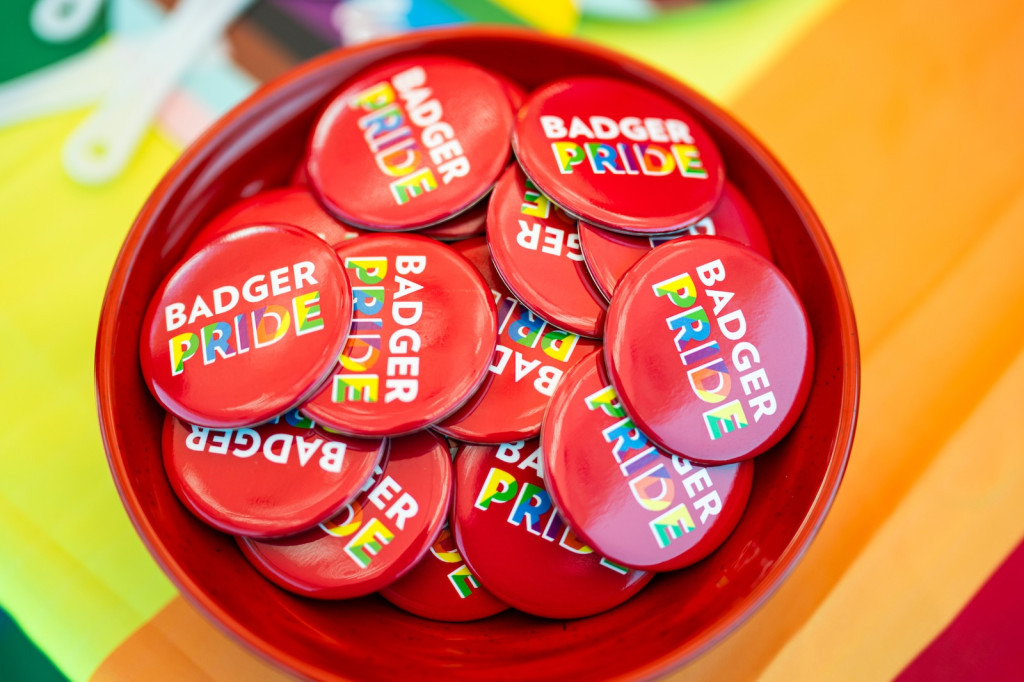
(514, 540)
(279, 478)
(247, 327)
(531, 356)
(411, 142)
(626, 499)
(536, 250)
(441, 587)
(610, 254)
(282, 206)
(709, 350)
(618, 155)
(423, 334)
(375, 539)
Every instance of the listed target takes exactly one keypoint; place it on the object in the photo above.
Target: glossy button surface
(626, 499)
(423, 334)
(530, 359)
(375, 539)
(610, 254)
(536, 250)
(442, 587)
(283, 206)
(470, 223)
(279, 478)
(618, 155)
(517, 544)
(709, 350)
(411, 142)
(246, 327)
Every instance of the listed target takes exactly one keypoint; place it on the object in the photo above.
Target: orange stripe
(901, 122)
(178, 643)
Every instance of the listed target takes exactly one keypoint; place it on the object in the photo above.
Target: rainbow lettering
(355, 388)
(711, 382)
(499, 486)
(672, 525)
(680, 290)
(464, 581)
(368, 542)
(725, 419)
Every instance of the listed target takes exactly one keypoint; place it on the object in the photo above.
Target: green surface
(21, 50)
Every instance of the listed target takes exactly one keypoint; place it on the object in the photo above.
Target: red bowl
(677, 616)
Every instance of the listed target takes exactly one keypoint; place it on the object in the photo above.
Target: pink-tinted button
(536, 250)
(246, 327)
(423, 334)
(279, 478)
(709, 350)
(618, 155)
(517, 544)
(627, 500)
(529, 361)
(411, 142)
(610, 254)
(375, 539)
(283, 206)
(441, 587)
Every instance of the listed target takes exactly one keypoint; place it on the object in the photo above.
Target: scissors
(129, 77)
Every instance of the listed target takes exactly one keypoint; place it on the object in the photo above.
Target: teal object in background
(21, 660)
(22, 50)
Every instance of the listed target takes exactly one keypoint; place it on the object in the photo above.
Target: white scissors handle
(101, 146)
(60, 21)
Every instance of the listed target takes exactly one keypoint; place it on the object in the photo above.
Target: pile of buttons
(468, 380)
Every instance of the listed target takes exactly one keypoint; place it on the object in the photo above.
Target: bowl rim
(192, 156)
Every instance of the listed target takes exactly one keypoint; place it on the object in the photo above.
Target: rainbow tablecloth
(900, 119)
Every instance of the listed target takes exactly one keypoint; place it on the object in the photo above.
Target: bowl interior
(678, 615)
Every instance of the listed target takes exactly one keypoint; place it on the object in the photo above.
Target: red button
(442, 587)
(536, 250)
(283, 206)
(423, 334)
(470, 223)
(529, 361)
(609, 255)
(279, 478)
(411, 143)
(709, 350)
(374, 540)
(618, 155)
(515, 541)
(247, 327)
(626, 499)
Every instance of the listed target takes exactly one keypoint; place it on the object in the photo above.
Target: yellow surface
(901, 121)
(72, 571)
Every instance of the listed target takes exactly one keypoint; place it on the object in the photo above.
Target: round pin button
(470, 223)
(246, 327)
(517, 544)
(283, 206)
(627, 500)
(618, 155)
(411, 143)
(375, 539)
(531, 356)
(441, 587)
(536, 250)
(609, 254)
(709, 350)
(423, 334)
(280, 478)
